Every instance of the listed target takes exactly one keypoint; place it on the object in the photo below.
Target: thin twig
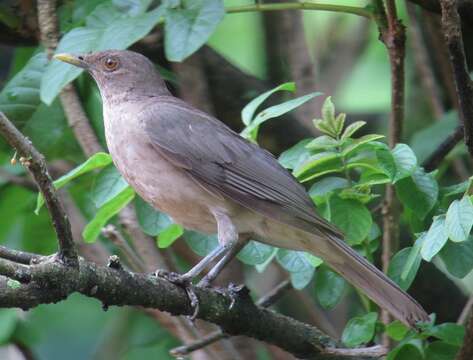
(423, 63)
(20, 257)
(373, 351)
(34, 162)
(433, 161)
(451, 26)
(462, 319)
(265, 301)
(115, 236)
(75, 114)
(354, 10)
(17, 180)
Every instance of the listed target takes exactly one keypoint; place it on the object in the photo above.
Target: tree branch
(265, 301)
(463, 83)
(433, 161)
(51, 281)
(34, 162)
(393, 36)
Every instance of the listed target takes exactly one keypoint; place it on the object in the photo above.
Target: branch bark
(393, 36)
(50, 281)
(34, 162)
(433, 161)
(464, 85)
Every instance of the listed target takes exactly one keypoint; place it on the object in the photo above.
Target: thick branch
(463, 83)
(51, 281)
(34, 162)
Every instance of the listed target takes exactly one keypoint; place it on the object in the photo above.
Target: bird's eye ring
(110, 64)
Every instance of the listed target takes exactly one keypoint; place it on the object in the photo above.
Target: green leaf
(396, 330)
(359, 330)
(251, 130)
(200, 243)
(352, 128)
(352, 217)
(439, 350)
(413, 260)
(450, 333)
(458, 257)
(96, 161)
(19, 98)
(315, 261)
(151, 221)
(107, 28)
(418, 192)
(255, 253)
(405, 161)
(318, 165)
(355, 144)
(262, 267)
(8, 320)
(293, 261)
(168, 235)
(249, 110)
(459, 220)
(339, 123)
(328, 111)
(189, 26)
(295, 155)
(300, 280)
(455, 189)
(435, 238)
(108, 184)
(105, 213)
(329, 287)
(327, 185)
(322, 142)
(407, 351)
(397, 266)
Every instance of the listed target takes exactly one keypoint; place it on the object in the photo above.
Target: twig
(374, 351)
(75, 114)
(114, 235)
(462, 319)
(423, 63)
(18, 180)
(20, 257)
(34, 162)
(464, 85)
(433, 161)
(265, 301)
(354, 10)
(466, 351)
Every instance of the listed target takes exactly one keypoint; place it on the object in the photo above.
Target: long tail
(365, 276)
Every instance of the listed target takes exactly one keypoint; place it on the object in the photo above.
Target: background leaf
(189, 25)
(359, 330)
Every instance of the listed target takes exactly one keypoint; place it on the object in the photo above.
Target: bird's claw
(185, 283)
(232, 291)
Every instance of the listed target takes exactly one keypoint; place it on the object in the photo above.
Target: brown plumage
(208, 178)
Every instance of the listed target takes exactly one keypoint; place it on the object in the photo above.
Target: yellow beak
(72, 59)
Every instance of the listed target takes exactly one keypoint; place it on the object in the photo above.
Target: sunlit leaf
(459, 220)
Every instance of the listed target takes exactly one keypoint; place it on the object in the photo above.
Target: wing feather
(224, 162)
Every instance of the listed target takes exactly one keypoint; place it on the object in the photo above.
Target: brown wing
(224, 162)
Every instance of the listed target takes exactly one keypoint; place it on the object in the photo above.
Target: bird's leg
(229, 255)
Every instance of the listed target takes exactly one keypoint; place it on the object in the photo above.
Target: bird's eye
(110, 64)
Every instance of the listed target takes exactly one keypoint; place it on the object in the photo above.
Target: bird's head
(119, 73)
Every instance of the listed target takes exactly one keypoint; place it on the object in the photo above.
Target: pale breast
(156, 180)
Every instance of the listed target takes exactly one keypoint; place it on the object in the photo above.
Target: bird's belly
(160, 183)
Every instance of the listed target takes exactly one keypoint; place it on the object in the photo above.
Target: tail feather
(365, 276)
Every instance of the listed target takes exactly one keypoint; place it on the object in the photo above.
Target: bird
(207, 178)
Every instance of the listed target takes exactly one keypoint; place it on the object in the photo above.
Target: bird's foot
(232, 292)
(186, 283)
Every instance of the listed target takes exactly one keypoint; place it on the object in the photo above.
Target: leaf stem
(354, 10)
